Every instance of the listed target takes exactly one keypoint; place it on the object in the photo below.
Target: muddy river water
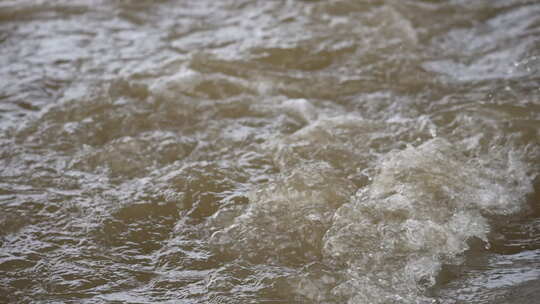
(270, 151)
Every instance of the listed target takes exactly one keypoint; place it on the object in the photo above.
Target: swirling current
(270, 151)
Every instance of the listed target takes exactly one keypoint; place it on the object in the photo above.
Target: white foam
(419, 212)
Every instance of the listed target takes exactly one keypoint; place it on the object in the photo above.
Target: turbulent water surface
(272, 151)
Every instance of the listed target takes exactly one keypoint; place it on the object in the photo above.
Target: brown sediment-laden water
(269, 151)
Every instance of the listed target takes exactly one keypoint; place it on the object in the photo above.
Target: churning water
(272, 151)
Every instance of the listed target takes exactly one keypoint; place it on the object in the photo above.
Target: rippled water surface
(234, 151)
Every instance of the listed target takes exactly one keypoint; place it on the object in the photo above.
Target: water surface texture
(272, 151)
